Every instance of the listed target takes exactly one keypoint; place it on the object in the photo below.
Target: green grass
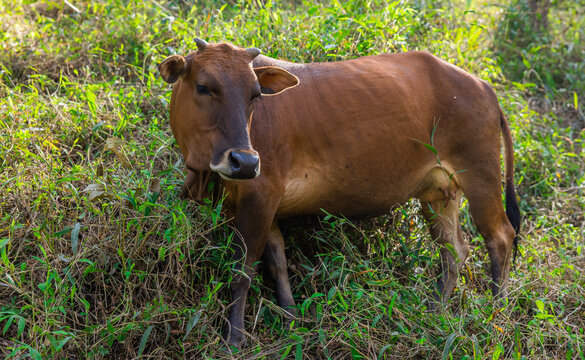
(100, 259)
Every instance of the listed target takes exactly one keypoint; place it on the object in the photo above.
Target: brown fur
(348, 139)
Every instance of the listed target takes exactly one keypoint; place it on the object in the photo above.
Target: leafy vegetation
(100, 259)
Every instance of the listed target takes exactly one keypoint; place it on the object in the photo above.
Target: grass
(100, 259)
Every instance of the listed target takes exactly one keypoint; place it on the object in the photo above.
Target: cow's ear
(274, 80)
(173, 67)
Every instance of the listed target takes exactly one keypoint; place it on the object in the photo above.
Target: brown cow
(351, 137)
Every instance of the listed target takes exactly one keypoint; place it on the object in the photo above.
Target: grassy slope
(99, 259)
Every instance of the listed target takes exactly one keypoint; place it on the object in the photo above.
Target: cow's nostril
(243, 164)
(235, 164)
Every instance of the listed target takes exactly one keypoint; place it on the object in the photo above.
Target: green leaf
(433, 133)
(91, 101)
(391, 306)
(97, 126)
(498, 351)
(298, 352)
(525, 61)
(66, 230)
(331, 294)
(286, 352)
(451, 249)
(383, 350)
(456, 172)
(52, 340)
(62, 343)
(85, 305)
(35, 354)
(448, 345)
(21, 325)
(428, 146)
(192, 322)
(45, 285)
(477, 353)
(432, 148)
(575, 100)
(131, 201)
(8, 323)
(540, 305)
(75, 237)
(144, 339)
(518, 343)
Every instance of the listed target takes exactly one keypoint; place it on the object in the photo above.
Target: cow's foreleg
(443, 219)
(188, 190)
(253, 221)
(275, 259)
(195, 186)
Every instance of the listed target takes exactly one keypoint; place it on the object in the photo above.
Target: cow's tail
(512, 210)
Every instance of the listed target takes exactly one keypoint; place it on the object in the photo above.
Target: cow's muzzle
(238, 165)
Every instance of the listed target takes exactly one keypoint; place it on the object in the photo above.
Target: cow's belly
(357, 192)
(313, 191)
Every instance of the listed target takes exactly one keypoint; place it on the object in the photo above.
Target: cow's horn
(253, 52)
(201, 44)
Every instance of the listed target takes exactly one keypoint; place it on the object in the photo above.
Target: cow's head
(212, 105)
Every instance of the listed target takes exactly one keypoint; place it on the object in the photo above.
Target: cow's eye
(203, 90)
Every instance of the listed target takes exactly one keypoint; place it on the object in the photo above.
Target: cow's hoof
(237, 342)
(288, 318)
(235, 338)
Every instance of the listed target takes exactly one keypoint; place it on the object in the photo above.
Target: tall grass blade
(192, 322)
(448, 345)
(144, 339)
(75, 237)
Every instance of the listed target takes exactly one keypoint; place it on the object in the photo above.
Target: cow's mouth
(238, 165)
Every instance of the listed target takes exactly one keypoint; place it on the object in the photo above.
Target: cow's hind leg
(275, 260)
(485, 204)
(443, 218)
